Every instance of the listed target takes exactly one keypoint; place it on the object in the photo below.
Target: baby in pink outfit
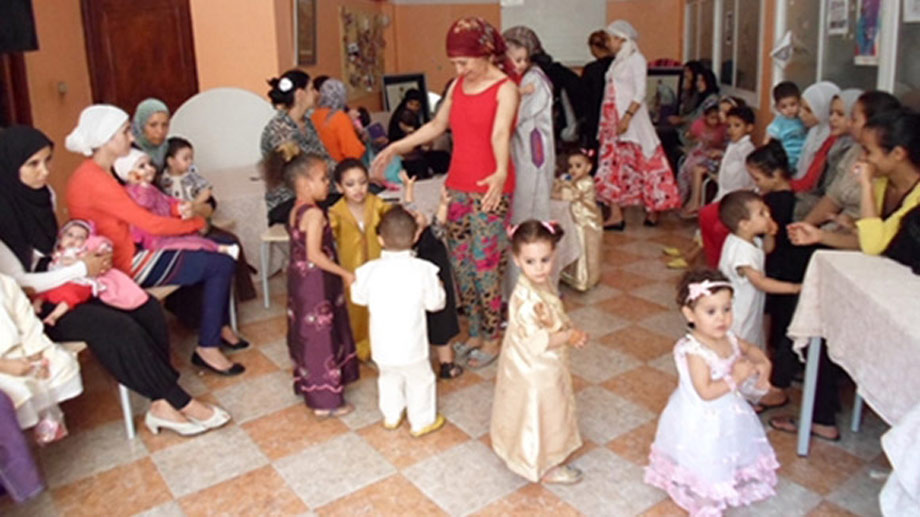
(137, 171)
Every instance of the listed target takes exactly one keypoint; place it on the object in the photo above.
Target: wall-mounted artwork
(363, 50)
(305, 32)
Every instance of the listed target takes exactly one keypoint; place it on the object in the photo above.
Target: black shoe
(236, 369)
(619, 227)
(650, 223)
(241, 344)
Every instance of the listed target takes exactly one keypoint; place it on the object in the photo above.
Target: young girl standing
(354, 219)
(710, 451)
(534, 427)
(319, 337)
(577, 187)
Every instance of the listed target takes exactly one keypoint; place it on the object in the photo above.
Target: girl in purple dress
(319, 335)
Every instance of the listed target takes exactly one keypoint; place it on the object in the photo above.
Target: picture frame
(395, 87)
(305, 32)
(664, 87)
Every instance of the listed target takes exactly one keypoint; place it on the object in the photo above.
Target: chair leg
(125, 397)
(232, 308)
(857, 413)
(265, 255)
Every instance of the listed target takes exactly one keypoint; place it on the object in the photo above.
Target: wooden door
(139, 49)
(14, 90)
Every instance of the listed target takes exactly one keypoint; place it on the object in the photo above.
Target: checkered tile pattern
(276, 458)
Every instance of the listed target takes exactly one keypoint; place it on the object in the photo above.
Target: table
(867, 308)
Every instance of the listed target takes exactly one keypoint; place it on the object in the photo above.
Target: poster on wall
(838, 12)
(363, 50)
(911, 11)
(867, 28)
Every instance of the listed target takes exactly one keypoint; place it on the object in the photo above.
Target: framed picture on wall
(396, 86)
(305, 32)
(662, 92)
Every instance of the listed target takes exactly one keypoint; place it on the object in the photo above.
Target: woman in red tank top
(479, 108)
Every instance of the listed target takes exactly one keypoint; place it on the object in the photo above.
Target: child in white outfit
(398, 289)
(742, 261)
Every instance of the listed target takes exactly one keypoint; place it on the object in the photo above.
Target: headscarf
(27, 219)
(474, 37)
(623, 29)
(819, 97)
(524, 37)
(849, 98)
(124, 165)
(332, 95)
(146, 109)
(97, 124)
(394, 132)
(87, 225)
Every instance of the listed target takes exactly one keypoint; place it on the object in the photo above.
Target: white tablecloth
(868, 310)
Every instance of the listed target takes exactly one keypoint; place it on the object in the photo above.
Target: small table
(867, 308)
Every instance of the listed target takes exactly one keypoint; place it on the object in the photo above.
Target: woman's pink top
(471, 121)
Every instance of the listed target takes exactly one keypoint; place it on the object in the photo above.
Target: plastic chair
(275, 234)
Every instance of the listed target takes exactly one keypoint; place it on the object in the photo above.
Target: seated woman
(333, 124)
(293, 95)
(150, 126)
(132, 345)
(889, 179)
(838, 208)
(93, 193)
(420, 162)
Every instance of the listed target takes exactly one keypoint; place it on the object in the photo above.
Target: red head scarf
(475, 37)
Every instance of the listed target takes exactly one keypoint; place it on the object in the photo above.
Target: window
(907, 72)
(802, 19)
(735, 50)
(838, 64)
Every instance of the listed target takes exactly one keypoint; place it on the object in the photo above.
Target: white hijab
(124, 165)
(819, 97)
(622, 29)
(97, 124)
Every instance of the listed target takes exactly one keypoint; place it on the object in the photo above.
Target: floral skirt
(625, 176)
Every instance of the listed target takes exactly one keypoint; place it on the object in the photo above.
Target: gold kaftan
(534, 426)
(584, 273)
(357, 244)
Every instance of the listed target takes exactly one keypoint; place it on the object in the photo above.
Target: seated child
(534, 425)
(75, 239)
(179, 178)
(34, 372)
(137, 171)
(745, 214)
(732, 176)
(708, 132)
(398, 289)
(787, 127)
(577, 187)
(710, 451)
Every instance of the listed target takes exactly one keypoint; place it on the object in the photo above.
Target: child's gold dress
(356, 245)
(584, 273)
(534, 426)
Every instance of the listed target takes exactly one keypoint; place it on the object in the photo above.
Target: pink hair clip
(511, 230)
(588, 152)
(704, 288)
(550, 226)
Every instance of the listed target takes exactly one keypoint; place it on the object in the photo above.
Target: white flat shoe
(155, 423)
(217, 419)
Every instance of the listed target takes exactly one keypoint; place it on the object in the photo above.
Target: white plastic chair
(276, 234)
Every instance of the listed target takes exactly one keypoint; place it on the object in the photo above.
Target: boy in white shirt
(742, 261)
(398, 289)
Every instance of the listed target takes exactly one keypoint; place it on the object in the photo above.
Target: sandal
(337, 412)
(678, 263)
(788, 424)
(481, 358)
(461, 349)
(563, 475)
(671, 251)
(760, 407)
(450, 371)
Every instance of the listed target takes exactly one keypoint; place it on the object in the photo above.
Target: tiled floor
(275, 458)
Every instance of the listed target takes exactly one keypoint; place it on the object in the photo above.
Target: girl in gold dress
(534, 427)
(577, 187)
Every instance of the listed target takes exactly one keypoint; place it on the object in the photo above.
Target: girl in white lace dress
(710, 451)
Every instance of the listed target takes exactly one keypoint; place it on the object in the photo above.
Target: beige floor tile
(470, 408)
(596, 322)
(292, 430)
(624, 280)
(662, 293)
(859, 494)
(255, 362)
(208, 459)
(669, 324)
(595, 363)
(825, 468)
(265, 331)
(604, 415)
(531, 500)
(258, 397)
(791, 500)
(828, 509)
(639, 342)
(636, 444)
(464, 479)
(402, 450)
(630, 307)
(325, 472)
(87, 453)
(645, 386)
